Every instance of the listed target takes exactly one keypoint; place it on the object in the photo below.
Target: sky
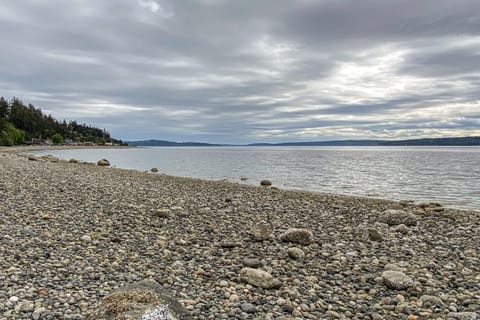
(228, 71)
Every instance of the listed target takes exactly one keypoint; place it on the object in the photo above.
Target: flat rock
(258, 278)
(394, 217)
(396, 280)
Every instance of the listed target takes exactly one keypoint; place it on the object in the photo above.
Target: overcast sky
(233, 71)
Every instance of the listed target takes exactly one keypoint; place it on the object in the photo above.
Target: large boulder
(144, 300)
(300, 236)
(394, 217)
(258, 278)
(103, 163)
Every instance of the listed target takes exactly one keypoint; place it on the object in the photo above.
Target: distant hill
(463, 141)
(164, 143)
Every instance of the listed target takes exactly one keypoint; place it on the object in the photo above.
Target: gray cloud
(235, 71)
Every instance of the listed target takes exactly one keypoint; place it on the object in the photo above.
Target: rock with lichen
(144, 300)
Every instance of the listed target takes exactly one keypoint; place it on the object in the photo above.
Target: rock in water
(144, 300)
(394, 217)
(301, 236)
(265, 183)
(261, 231)
(258, 278)
(154, 170)
(103, 163)
(396, 280)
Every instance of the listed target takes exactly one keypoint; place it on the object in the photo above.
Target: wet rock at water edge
(394, 217)
(73, 161)
(154, 170)
(103, 163)
(32, 158)
(295, 235)
(265, 183)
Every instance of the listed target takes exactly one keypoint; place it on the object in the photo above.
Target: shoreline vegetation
(71, 233)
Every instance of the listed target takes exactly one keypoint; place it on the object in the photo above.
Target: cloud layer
(237, 71)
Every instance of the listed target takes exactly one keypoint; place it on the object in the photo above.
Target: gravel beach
(70, 233)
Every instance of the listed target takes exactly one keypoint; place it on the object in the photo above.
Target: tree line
(25, 124)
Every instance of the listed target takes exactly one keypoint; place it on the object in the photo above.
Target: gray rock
(261, 231)
(296, 253)
(401, 228)
(396, 280)
(462, 316)
(252, 262)
(394, 217)
(258, 278)
(300, 236)
(163, 213)
(431, 301)
(247, 307)
(154, 170)
(372, 235)
(137, 300)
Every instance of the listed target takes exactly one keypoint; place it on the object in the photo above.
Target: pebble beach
(72, 232)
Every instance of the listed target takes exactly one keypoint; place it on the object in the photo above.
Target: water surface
(449, 175)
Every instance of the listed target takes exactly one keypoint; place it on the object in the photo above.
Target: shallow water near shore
(449, 175)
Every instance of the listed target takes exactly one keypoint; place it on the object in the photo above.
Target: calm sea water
(449, 175)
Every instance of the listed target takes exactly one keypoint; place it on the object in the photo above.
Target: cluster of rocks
(73, 235)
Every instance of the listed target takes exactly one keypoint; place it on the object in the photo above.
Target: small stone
(86, 238)
(73, 161)
(247, 307)
(300, 236)
(154, 170)
(288, 308)
(37, 313)
(252, 262)
(431, 301)
(401, 228)
(32, 158)
(296, 253)
(396, 280)
(234, 298)
(372, 235)
(13, 299)
(163, 213)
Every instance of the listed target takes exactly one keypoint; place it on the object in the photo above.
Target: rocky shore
(71, 233)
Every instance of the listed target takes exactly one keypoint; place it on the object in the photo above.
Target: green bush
(11, 136)
(57, 138)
